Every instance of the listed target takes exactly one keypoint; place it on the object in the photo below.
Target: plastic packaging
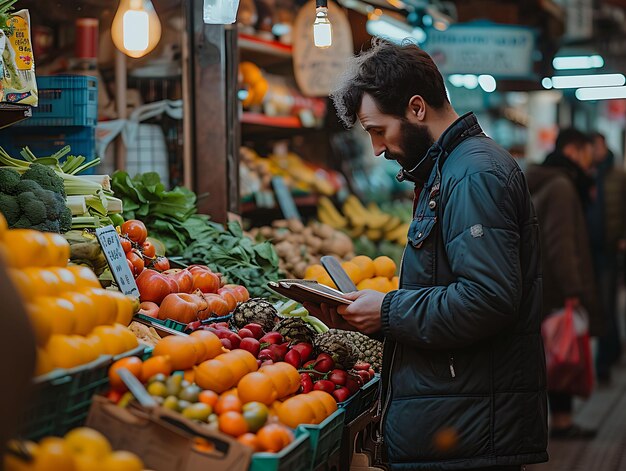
(220, 12)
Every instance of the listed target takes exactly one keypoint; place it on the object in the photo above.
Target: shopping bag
(569, 364)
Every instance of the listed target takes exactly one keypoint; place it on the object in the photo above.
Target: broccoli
(47, 226)
(46, 177)
(65, 220)
(32, 207)
(27, 185)
(10, 208)
(9, 179)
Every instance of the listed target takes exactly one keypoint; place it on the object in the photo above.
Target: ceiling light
(395, 31)
(487, 83)
(547, 83)
(578, 62)
(471, 81)
(601, 93)
(583, 81)
(322, 29)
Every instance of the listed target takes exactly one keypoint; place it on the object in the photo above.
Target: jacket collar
(464, 127)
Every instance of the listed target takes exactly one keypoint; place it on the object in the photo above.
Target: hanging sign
(116, 258)
(503, 51)
(316, 69)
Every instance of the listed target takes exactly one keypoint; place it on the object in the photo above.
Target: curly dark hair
(391, 74)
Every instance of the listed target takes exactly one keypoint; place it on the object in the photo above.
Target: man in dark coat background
(561, 192)
(463, 352)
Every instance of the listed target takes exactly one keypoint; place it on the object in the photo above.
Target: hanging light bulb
(136, 29)
(322, 29)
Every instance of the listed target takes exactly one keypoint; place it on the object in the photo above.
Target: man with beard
(463, 364)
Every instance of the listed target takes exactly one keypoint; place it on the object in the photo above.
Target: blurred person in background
(606, 219)
(561, 192)
(17, 347)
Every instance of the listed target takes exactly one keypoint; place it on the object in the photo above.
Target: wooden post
(120, 105)
(215, 134)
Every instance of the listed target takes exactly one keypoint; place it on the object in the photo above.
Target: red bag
(569, 362)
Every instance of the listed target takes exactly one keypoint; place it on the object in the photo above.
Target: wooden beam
(213, 74)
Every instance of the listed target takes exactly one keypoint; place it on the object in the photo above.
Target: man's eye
(379, 133)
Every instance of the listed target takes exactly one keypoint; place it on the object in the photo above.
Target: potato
(295, 226)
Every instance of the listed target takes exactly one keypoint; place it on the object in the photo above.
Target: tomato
(161, 264)
(255, 415)
(148, 249)
(127, 245)
(136, 261)
(135, 230)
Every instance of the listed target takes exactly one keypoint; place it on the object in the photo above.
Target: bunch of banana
(328, 214)
(358, 220)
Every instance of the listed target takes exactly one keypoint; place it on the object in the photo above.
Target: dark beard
(416, 140)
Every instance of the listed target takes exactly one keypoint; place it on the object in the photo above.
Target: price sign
(285, 199)
(116, 258)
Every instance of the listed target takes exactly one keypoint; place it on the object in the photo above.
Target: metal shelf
(11, 114)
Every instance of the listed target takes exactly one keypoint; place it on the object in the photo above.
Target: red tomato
(127, 245)
(148, 249)
(161, 264)
(135, 230)
(136, 261)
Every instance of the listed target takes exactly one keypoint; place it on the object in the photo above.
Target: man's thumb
(352, 296)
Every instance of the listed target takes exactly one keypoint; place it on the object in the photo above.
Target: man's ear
(416, 110)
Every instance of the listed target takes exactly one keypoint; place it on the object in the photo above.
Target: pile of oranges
(74, 319)
(81, 449)
(378, 274)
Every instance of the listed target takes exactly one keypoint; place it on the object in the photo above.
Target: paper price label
(116, 258)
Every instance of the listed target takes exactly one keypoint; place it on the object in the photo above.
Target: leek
(77, 205)
(85, 222)
(77, 185)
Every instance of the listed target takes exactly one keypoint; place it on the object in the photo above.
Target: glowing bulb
(136, 29)
(322, 29)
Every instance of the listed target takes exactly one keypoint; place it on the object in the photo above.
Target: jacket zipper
(382, 409)
(451, 363)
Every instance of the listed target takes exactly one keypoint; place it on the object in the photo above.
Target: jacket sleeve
(482, 242)
(560, 250)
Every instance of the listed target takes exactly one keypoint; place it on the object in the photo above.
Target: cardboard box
(165, 440)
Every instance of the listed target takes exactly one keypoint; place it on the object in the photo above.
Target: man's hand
(365, 312)
(328, 315)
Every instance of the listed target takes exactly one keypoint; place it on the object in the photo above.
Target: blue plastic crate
(46, 141)
(65, 100)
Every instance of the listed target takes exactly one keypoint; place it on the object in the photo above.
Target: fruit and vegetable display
(299, 246)
(357, 220)
(74, 319)
(80, 449)
(171, 218)
(378, 274)
(298, 175)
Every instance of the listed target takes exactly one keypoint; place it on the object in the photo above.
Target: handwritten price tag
(116, 258)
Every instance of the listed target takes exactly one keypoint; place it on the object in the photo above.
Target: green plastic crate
(352, 406)
(368, 394)
(48, 397)
(295, 457)
(179, 326)
(87, 380)
(325, 437)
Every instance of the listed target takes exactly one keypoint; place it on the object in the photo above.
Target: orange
(26, 248)
(353, 271)
(125, 310)
(295, 411)
(235, 363)
(274, 437)
(3, 226)
(326, 281)
(214, 375)
(132, 364)
(232, 423)
(319, 409)
(329, 401)
(292, 374)
(41, 320)
(86, 316)
(227, 403)
(85, 277)
(247, 357)
(64, 351)
(209, 398)
(384, 266)
(48, 284)
(395, 282)
(59, 249)
(105, 305)
(60, 311)
(366, 265)
(128, 338)
(87, 441)
(154, 366)
(250, 440)
(366, 284)
(44, 363)
(190, 375)
(89, 351)
(313, 272)
(25, 285)
(113, 342)
(53, 455)
(382, 284)
(67, 280)
(257, 387)
(181, 351)
(122, 461)
(95, 344)
(200, 349)
(212, 344)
